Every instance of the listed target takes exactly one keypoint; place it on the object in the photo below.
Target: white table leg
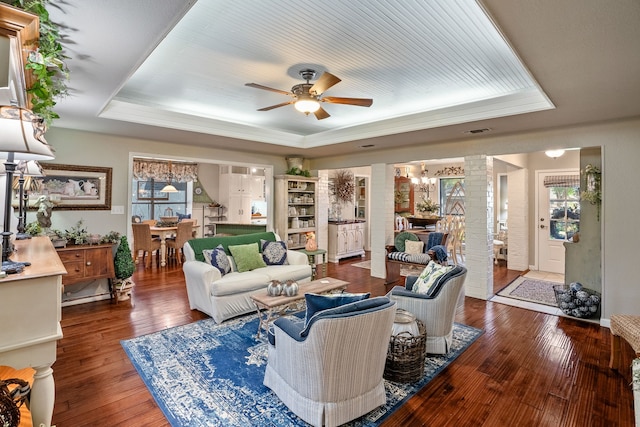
(163, 249)
(43, 393)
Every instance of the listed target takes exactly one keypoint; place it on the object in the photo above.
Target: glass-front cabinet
(361, 198)
(403, 195)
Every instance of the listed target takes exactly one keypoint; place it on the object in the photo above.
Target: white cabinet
(346, 240)
(257, 188)
(237, 189)
(295, 198)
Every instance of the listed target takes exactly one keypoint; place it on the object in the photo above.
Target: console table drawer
(85, 263)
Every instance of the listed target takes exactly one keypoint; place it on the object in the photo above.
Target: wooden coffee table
(270, 308)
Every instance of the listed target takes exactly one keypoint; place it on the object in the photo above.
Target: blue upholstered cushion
(183, 216)
(218, 258)
(274, 253)
(317, 302)
(434, 238)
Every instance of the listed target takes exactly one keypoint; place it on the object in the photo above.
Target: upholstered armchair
(436, 309)
(330, 371)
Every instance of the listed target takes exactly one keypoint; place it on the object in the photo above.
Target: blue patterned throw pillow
(274, 253)
(218, 258)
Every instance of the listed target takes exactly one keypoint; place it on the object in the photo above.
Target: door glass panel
(564, 212)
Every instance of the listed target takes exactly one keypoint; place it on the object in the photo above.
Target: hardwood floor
(527, 369)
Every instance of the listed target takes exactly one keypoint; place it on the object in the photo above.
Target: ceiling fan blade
(257, 86)
(321, 113)
(360, 102)
(276, 106)
(325, 81)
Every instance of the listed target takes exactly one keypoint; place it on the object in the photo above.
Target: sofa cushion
(286, 272)
(398, 256)
(412, 247)
(400, 239)
(421, 258)
(237, 283)
(218, 258)
(274, 253)
(247, 257)
(316, 302)
(198, 245)
(428, 278)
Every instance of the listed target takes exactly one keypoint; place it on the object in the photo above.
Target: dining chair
(175, 244)
(152, 223)
(143, 241)
(194, 222)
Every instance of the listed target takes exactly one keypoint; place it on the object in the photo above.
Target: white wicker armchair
(333, 374)
(436, 312)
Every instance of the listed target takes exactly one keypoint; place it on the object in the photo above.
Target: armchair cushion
(429, 277)
(274, 253)
(299, 330)
(247, 257)
(316, 302)
(218, 258)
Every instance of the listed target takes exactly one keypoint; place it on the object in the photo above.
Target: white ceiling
(175, 70)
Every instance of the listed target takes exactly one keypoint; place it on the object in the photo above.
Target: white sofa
(224, 297)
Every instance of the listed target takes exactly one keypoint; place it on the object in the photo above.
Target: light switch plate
(117, 210)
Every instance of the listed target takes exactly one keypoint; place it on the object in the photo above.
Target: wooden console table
(88, 262)
(30, 313)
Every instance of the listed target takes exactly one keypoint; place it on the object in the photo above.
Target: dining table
(164, 232)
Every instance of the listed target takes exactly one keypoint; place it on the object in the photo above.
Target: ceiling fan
(308, 96)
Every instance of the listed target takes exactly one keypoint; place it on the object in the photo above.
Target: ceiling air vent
(476, 131)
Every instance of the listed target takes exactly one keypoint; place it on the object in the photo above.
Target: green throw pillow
(247, 257)
(429, 277)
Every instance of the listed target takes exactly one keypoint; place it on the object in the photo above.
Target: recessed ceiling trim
(128, 112)
(525, 101)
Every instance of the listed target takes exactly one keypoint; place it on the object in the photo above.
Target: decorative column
(478, 183)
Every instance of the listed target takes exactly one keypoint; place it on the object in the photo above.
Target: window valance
(562, 181)
(160, 170)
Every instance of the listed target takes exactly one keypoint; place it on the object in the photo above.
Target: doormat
(532, 290)
(208, 374)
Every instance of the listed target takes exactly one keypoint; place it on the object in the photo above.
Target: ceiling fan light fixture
(554, 154)
(307, 105)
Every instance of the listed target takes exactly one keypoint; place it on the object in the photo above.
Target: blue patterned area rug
(205, 374)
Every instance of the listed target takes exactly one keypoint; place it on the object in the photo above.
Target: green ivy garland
(46, 62)
(593, 191)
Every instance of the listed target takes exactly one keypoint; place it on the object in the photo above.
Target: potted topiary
(124, 268)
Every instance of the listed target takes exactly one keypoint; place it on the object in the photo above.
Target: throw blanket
(441, 253)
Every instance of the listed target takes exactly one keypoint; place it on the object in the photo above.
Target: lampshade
(307, 104)
(169, 189)
(22, 135)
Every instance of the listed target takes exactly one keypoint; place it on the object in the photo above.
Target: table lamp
(28, 170)
(21, 138)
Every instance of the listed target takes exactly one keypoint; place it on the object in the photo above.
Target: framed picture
(77, 187)
(150, 190)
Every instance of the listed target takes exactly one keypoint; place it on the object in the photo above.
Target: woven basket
(405, 356)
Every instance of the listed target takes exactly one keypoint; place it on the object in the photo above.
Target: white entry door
(558, 216)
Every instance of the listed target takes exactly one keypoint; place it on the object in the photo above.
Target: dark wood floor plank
(527, 368)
